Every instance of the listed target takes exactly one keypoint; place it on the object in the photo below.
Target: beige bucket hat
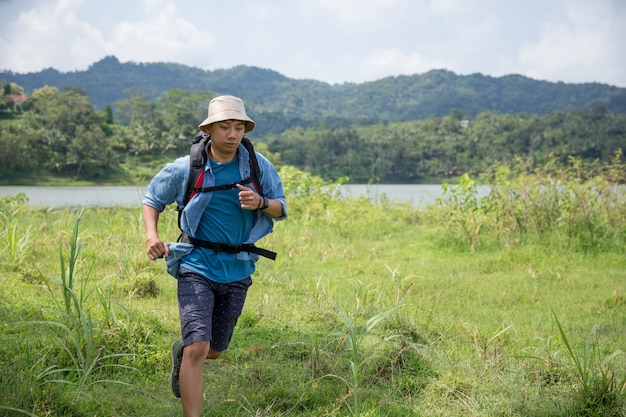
(226, 108)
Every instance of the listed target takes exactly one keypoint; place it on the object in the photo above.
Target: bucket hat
(226, 108)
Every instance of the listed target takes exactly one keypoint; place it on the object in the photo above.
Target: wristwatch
(266, 203)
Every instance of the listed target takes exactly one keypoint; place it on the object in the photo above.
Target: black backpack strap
(222, 187)
(197, 158)
(255, 171)
(223, 247)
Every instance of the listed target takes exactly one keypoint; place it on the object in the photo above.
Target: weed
(599, 392)
(74, 332)
(489, 348)
(16, 244)
(361, 352)
(550, 370)
(402, 284)
(464, 211)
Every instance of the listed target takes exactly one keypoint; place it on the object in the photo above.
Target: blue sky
(335, 41)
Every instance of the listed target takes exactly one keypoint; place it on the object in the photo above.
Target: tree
(15, 158)
(69, 133)
(180, 112)
(144, 123)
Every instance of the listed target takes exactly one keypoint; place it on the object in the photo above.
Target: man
(212, 283)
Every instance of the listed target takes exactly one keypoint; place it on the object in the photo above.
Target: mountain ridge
(270, 94)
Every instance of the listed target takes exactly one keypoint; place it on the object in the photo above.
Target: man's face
(227, 135)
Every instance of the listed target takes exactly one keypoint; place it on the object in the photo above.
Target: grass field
(371, 309)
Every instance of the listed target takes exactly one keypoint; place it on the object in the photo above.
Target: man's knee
(197, 351)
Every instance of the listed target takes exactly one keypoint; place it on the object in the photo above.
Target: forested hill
(415, 97)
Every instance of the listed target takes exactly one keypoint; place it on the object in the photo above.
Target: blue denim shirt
(169, 186)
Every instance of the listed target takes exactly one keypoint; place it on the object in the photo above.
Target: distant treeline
(59, 133)
(442, 147)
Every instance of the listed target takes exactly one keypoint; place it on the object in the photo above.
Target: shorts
(209, 310)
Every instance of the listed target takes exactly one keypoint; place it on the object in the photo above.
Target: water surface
(128, 196)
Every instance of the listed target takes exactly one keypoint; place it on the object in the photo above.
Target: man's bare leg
(192, 377)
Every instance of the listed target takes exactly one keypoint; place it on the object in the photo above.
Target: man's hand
(249, 199)
(157, 248)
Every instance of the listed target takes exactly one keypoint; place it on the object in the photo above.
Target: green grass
(369, 310)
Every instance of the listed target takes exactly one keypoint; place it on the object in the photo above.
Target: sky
(335, 41)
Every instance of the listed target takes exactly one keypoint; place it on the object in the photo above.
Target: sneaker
(177, 358)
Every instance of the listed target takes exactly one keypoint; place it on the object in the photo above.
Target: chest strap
(222, 187)
(223, 247)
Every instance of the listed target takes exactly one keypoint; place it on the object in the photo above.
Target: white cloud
(52, 35)
(36, 38)
(584, 47)
(161, 35)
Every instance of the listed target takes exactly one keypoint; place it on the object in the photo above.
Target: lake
(78, 196)
(114, 196)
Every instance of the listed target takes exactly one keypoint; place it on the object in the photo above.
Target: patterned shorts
(209, 310)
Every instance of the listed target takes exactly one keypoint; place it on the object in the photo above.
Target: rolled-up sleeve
(167, 186)
(272, 184)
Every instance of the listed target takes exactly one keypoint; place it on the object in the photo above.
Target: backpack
(197, 158)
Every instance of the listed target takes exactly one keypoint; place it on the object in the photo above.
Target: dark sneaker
(177, 358)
